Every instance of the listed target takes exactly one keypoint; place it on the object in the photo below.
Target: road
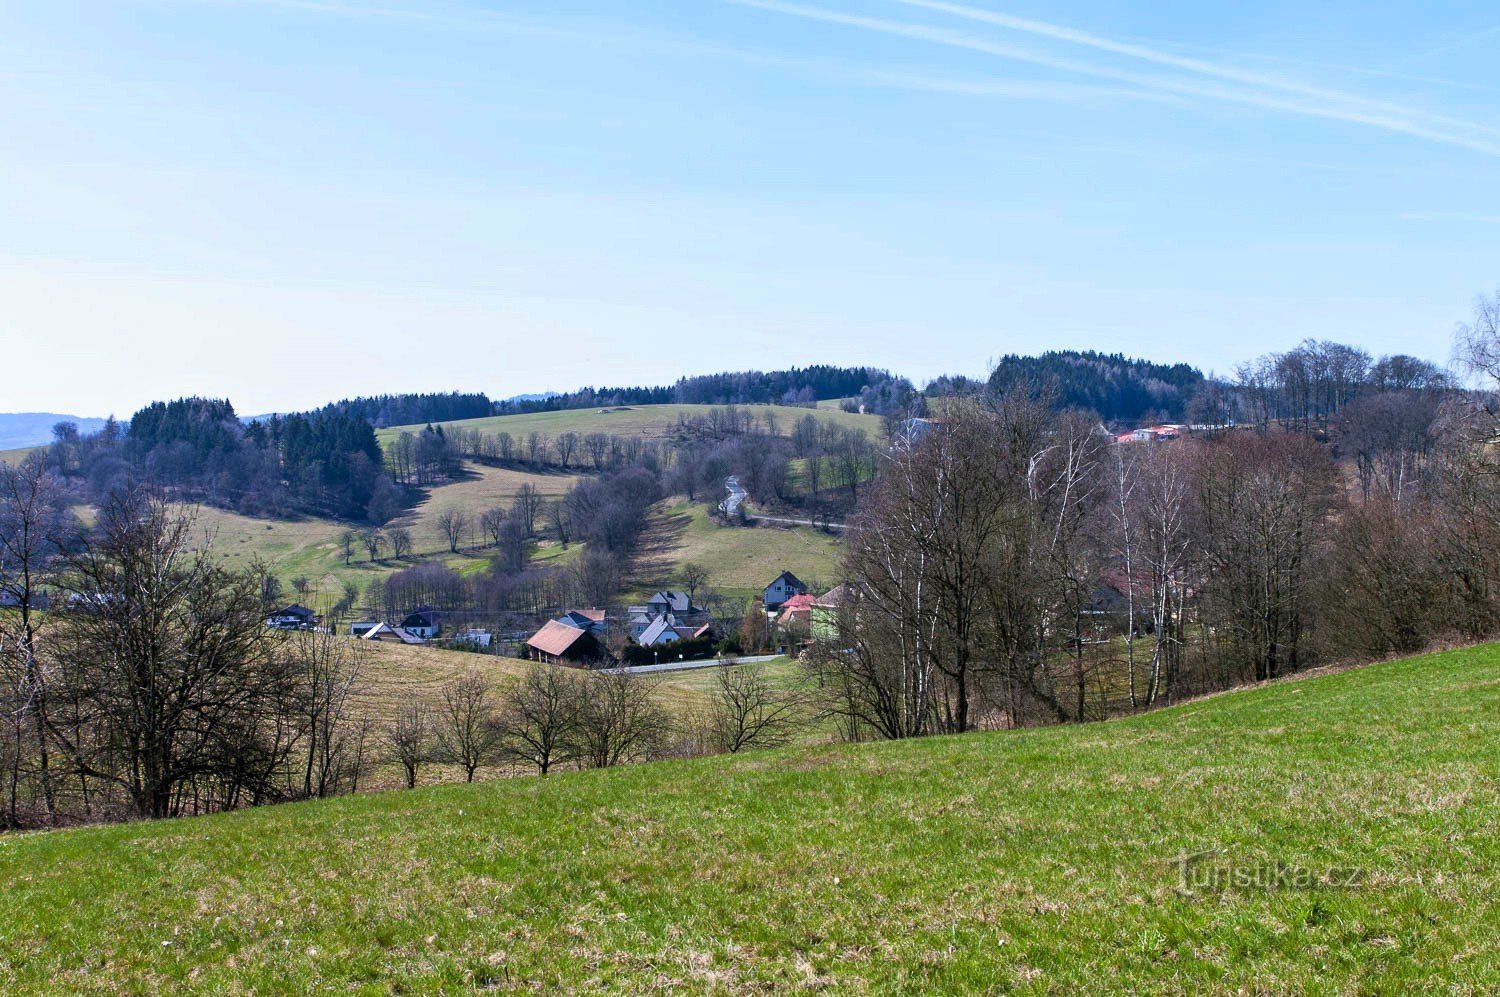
(679, 666)
(738, 495)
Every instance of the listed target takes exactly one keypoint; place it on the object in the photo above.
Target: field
(396, 675)
(1348, 821)
(15, 456)
(646, 421)
(741, 561)
(310, 547)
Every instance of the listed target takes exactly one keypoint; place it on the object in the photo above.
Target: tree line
(1019, 566)
(324, 463)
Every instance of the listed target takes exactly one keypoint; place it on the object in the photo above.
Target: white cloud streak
(1200, 66)
(1284, 96)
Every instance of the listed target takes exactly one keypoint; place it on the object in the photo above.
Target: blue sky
(286, 201)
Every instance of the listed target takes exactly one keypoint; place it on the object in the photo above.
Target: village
(667, 628)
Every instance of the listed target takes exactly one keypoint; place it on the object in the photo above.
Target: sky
(284, 202)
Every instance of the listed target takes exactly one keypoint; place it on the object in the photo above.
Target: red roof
(597, 615)
(555, 638)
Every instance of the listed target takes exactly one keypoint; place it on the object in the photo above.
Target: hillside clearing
(1037, 861)
(740, 560)
(644, 421)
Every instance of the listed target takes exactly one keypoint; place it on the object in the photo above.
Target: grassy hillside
(648, 421)
(741, 561)
(310, 547)
(1038, 861)
(15, 456)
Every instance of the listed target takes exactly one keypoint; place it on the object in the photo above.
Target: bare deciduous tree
(453, 522)
(619, 719)
(400, 538)
(467, 731)
(527, 507)
(539, 716)
(409, 736)
(748, 712)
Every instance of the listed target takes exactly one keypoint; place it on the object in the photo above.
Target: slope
(1037, 861)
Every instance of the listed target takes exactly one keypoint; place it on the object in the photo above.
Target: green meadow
(1345, 822)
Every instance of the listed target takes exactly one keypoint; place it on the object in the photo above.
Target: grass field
(310, 547)
(1035, 861)
(646, 421)
(741, 561)
(15, 456)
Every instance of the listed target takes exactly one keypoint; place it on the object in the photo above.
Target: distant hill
(1118, 388)
(29, 429)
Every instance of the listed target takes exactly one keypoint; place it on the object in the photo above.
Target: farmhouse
(783, 588)
(796, 612)
(293, 617)
(670, 602)
(592, 620)
(384, 633)
(559, 644)
(425, 622)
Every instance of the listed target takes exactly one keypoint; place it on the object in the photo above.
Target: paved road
(737, 495)
(679, 666)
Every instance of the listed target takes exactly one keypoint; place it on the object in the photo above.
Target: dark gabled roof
(296, 609)
(676, 601)
(791, 580)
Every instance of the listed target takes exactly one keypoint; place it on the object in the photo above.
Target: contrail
(1392, 121)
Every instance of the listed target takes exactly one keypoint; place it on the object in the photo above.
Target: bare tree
(328, 667)
(35, 528)
(453, 522)
(373, 541)
(347, 540)
(566, 445)
(492, 522)
(187, 705)
(409, 736)
(467, 731)
(748, 712)
(598, 446)
(527, 507)
(400, 538)
(620, 718)
(539, 716)
(693, 576)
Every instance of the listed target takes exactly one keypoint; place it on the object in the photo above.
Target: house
(384, 633)
(914, 430)
(559, 644)
(293, 617)
(823, 622)
(363, 627)
(592, 620)
(478, 638)
(670, 602)
(425, 622)
(663, 632)
(660, 631)
(783, 588)
(796, 612)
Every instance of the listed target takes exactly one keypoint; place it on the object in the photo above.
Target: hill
(646, 421)
(1034, 861)
(30, 429)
